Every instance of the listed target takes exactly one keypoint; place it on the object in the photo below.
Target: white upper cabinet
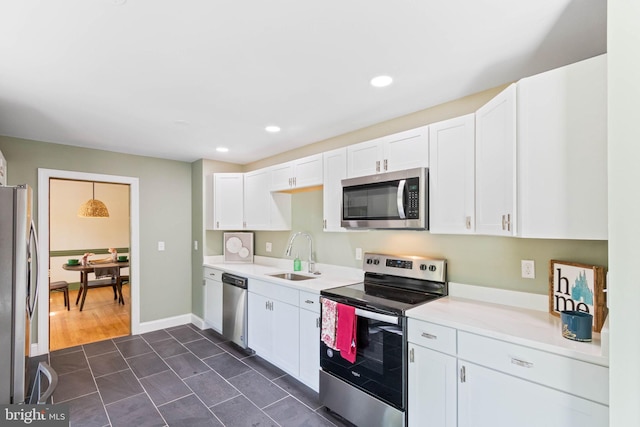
(562, 152)
(300, 173)
(264, 210)
(452, 176)
(335, 170)
(256, 200)
(228, 201)
(403, 150)
(495, 165)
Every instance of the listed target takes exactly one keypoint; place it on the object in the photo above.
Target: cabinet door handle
(317, 322)
(463, 374)
(508, 222)
(504, 220)
(295, 181)
(522, 363)
(429, 336)
(385, 164)
(266, 305)
(411, 356)
(217, 224)
(377, 165)
(467, 223)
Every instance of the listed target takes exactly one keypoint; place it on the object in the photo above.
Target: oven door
(381, 350)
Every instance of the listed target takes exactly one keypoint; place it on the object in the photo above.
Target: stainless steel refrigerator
(18, 290)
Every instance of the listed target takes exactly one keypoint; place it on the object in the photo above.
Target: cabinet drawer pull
(429, 336)
(309, 301)
(522, 363)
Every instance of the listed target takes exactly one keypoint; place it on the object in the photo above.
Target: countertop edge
(536, 329)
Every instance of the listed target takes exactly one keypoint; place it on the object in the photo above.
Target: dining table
(90, 268)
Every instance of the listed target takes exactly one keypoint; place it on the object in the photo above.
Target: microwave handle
(400, 198)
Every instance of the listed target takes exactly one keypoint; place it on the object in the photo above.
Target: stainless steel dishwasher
(234, 309)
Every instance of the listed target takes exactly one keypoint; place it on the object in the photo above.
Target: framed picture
(579, 287)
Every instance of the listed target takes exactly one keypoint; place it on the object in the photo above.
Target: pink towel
(328, 333)
(346, 332)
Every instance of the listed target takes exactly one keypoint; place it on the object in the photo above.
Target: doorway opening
(72, 322)
(132, 297)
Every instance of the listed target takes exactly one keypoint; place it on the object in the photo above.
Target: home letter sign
(579, 287)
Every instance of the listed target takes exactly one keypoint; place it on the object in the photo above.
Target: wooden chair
(108, 276)
(61, 286)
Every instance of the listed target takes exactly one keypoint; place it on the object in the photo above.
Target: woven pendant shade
(93, 208)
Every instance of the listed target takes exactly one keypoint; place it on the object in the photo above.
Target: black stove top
(384, 299)
(394, 283)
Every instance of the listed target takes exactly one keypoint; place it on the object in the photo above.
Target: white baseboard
(197, 321)
(167, 322)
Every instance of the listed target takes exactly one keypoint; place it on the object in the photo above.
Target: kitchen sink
(290, 276)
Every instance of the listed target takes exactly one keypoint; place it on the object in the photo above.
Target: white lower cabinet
(431, 388)
(284, 328)
(490, 398)
(457, 378)
(274, 331)
(213, 298)
(310, 339)
(309, 348)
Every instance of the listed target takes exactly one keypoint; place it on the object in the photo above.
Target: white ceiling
(177, 78)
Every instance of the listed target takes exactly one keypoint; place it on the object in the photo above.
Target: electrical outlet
(268, 247)
(161, 246)
(195, 245)
(528, 269)
(358, 254)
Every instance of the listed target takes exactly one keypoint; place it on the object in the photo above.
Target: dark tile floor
(180, 377)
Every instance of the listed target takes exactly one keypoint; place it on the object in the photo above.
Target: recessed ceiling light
(272, 129)
(381, 81)
(222, 149)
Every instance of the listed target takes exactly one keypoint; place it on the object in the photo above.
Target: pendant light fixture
(93, 208)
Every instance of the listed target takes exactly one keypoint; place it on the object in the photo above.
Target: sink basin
(290, 276)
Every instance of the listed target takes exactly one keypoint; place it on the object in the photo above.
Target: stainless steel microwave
(393, 200)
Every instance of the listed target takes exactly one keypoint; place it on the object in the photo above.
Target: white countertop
(531, 328)
(331, 276)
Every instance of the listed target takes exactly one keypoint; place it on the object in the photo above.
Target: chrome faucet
(311, 263)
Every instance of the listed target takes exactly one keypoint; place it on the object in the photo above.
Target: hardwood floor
(101, 318)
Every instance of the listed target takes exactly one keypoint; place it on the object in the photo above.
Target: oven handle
(377, 316)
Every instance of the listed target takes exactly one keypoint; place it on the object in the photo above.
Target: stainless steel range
(372, 390)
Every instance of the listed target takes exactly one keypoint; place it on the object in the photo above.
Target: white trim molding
(44, 175)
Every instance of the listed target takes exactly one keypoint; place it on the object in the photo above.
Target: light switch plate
(268, 247)
(161, 246)
(358, 254)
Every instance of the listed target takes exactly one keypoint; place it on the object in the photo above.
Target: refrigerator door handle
(33, 266)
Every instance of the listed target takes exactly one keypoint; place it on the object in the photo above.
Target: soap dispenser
(297, 264)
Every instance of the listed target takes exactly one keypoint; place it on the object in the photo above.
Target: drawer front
(273, 291)
(563, 373)
(310, 301)
(213, 274)
(430, 335)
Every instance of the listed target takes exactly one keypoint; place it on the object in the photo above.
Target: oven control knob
(376, 261)
(423, 267)
(369, 261)
(432, 268)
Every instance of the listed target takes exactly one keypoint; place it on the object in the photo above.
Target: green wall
(473, 260)
(165, 212)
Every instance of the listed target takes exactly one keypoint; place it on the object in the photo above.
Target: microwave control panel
(413, 198)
